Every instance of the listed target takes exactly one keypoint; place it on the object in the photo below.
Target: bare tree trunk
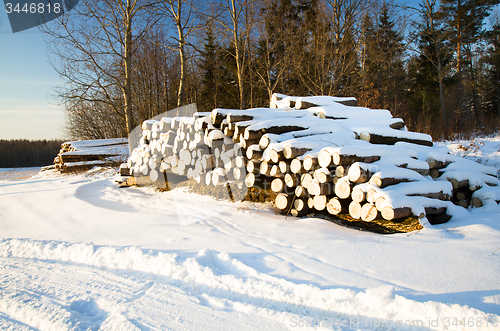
(128, 69)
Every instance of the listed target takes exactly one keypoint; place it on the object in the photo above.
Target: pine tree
(464, 19)
(492, 59)
(209, 93)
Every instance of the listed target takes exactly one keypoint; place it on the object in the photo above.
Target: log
(343, 188)
(336, 206)
(435, 173)
(296, 166)
(348, 159)
(237, 117)
(305, 179)
(301, 192)
(358, 174)
(310, 203)
(379, 203)
(355, 210)
(284, 167)
(301, 205)
(276, 129)
(292, 152)
(316, 188)
(434, 210)
(320, 202)
(253, 166)
(357, 194)
(387, 181)
(258, 181)
(291, 180)
(283, 201)
(368, 212)
(239, 161)
(239, 173)
(325, 159)
(247, 143)
(374, 138)
(218, 115)
(277, 185)
(341, 171)
(476, 202)
(264, 141)
(265, 168)
(309, 162)
(253, 153)
(219, 176)
(276, 156)
(275, 171)
(389, 213)
(435, 164)
(323, 175)
(458, 184)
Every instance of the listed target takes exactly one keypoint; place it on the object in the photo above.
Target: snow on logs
(84, 155)
(316, 154)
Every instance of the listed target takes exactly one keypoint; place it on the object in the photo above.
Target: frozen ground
(78, 253)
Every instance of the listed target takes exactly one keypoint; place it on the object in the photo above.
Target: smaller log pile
(84, 155)
(315, 154)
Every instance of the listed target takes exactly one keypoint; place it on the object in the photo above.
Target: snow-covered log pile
(83, 155)
(315, 154)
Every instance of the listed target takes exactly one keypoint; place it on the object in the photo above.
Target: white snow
(79, 253)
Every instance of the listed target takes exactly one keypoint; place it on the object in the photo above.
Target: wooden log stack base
(306, 153)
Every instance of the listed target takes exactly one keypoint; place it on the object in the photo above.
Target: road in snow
(79, 253)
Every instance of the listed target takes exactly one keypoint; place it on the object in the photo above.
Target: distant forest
(436, 64)
(26, 153)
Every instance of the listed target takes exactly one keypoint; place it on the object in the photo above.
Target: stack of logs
(312, 154)
(86, 154)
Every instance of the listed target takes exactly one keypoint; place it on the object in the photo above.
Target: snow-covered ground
(79, 253)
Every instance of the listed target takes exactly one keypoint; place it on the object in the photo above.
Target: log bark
(254, 154)
(292, 152)
(348, 159)
(276, 129)
(387, 181)
(389, 213)
(374, 138)
(435, 164)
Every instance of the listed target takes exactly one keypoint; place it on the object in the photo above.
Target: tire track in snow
(218, 278)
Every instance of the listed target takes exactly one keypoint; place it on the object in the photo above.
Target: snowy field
(79, 253)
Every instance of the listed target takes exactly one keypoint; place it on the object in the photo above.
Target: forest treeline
(28, 153)
(436, 64)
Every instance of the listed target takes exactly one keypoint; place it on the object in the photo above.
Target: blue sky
(28, 107)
